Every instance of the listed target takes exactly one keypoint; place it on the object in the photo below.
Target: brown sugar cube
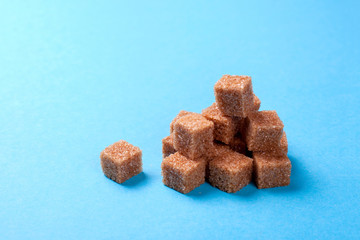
(224, 127)
(230, 171)
(234, 95)
(262, 131)
(168, 146)
(218, 149)
(238, 145)
(271, 171)
(282, 148)
(181, 173)
(180, 114)
(193, 135)
(257, 103)
(121, 161)
(240, 124)
(283, 144)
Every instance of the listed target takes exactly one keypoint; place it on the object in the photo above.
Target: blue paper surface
(77, 76)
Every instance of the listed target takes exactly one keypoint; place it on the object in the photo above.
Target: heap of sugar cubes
(228, 145)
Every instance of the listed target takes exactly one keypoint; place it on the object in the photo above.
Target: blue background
(76, 77)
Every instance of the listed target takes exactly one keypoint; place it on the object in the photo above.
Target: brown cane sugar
(282, 148)
(283, 144)
(121, 161)
(224, 127)
(219, 148)
(257, 103)
(181, 173)
(237, 144)
(230, 171)
(168, 146)
(263, 131)
(180, 114)
(271, 170)
(230, 143)
(193, 135)
(234, 95)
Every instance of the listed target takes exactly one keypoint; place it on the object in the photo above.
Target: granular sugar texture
(234, 95)
(121, 161)
(230, 172)
(181, 173)
(237, 144)
(193, 135)
(224, 127)
(219, 148)
(271, 171)
(180, 114)
(229, 144)
(281, 149)
(168, 146)
(257, 103)
(263, 131)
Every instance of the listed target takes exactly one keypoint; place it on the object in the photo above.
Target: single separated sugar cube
(121, 161)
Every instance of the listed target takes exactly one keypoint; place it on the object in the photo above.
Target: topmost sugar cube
(234, 95)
